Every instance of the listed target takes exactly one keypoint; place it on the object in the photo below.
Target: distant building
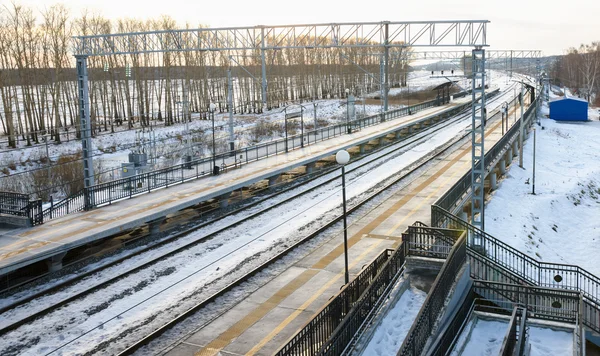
(569, 109)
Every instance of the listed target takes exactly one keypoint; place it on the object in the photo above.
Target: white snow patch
(390, 334)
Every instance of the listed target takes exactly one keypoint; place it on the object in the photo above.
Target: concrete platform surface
(265, 321)
(24, 246)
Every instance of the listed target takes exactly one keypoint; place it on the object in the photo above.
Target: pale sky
(550, 26)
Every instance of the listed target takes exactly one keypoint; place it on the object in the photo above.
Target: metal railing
(17, 204)
(516, 323)
(421, 329)
(494, 260)
(501, 298)
(333, 329)
(456, 194)
(429, 242)
(316, 333)
(14, 203)
(124, 188)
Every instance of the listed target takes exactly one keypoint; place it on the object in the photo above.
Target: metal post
(346, 274)
(286, 129)
(315, 115)
(264, 69)
(521, 129)
(186, 112)
(47, 155)
(408, 99)
(86, 127)
(533, 186)
(386, 56)
(230, 104)
(301, 126)
(477, 139)
(214, 159)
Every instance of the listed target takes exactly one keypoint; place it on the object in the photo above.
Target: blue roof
(568, 98)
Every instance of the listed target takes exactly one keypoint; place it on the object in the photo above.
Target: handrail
(326, 322)
(493, 258)
(421, 328)
(123, 188)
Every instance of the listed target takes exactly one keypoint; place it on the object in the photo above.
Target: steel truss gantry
(384, 35)
(489, 54)
(478, 118)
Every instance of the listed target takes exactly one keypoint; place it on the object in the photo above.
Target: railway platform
(265, 321)
(50, 241)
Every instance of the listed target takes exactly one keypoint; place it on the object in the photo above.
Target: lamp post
(212, 108)
(342, 157)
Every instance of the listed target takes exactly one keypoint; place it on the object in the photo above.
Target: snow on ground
(546, 341)
(198, 266)
(560, 223)
(390, 334)
(481, 337)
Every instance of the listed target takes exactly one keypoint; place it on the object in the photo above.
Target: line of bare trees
(38, 90)
(579, 70)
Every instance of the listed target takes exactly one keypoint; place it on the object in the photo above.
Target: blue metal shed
(569, 109)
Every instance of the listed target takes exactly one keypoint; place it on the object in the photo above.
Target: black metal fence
(516, 323)
(14, 203)
(17, 204)
(342, 320)
(494, 260)
(429, 242)
(434, 303)
(452, 199)
(106, 193)
(316, 334)
(501, 298)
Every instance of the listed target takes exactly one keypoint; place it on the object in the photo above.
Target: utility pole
(521, 130)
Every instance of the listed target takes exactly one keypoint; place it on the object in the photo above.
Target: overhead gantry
(384, 35)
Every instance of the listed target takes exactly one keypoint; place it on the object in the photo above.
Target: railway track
(317, 182)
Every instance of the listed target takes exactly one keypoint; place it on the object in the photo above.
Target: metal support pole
(386, 68)
(521, 129)
(477, 139)
(346, 274)
(47, 155)
(301, 126)
(214, 158)
(186, 113)
(86, 128)
(533, 186)
(315, 116)
(264, 69)
(230, 104)
(286, 129)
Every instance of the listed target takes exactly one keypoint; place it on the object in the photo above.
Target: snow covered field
(560, 222)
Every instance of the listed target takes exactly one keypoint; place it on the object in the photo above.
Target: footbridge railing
(494, 260)
(338, 324)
